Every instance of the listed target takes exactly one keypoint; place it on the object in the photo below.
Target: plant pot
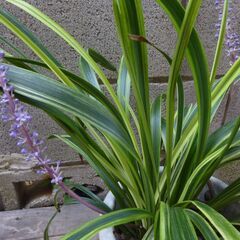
(107, 234)
(217, 186)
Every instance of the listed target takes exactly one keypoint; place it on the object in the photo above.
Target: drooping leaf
(11, 46)
(98, 58)
(88, 230)
(156, 119)
(87, 73)
(73, 43)
(223, 226)
(42, 89)
(123, 84)
(34, 44)
(202, 225)
(83, 144)
(29, 34)
(83, 84)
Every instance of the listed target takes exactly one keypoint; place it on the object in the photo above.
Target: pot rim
(107, 234)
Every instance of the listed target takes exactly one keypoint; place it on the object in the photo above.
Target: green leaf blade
(88, 230)
(98, 58)
(223, 226)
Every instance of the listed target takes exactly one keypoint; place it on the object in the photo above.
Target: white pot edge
(107, 234)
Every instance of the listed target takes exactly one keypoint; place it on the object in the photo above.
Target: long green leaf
(223, 226)
(110, 172)
(88, 230)
(116, 139)
(180, 220)
(18, 63)
(87, 73)
(116, 172)
(197, 60)
(173, 224)
(220, 42)
(21, 32)
(129, 20)
(219, 137)
(80, 50)
(183, 40)
(233, 154)
(83, 84)
(123, 85)
(177, 162)
(68, 38)
(180, 89)
(190, 126)
(82, 143)
(149, 235)
(162, 223)
(98, 58)
(156, 119)
(204, 171)
(12, 47)
(202, 225)
(29, 34)
(42, 89)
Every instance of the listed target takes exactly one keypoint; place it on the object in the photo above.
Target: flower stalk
(32, 147)
(232, 38)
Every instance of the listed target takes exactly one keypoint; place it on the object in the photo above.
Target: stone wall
(92, 23)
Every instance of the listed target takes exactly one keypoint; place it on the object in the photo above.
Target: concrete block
(20, 184)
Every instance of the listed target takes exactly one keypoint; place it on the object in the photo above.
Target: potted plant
(149, 202)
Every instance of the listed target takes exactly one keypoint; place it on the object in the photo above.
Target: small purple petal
(24, 151)
(2, 54)
(232, 38)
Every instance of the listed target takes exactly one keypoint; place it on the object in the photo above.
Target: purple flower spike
(32, 146)
(232, 38)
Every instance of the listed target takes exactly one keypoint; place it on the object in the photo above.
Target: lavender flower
(31, 146)
(232, 38)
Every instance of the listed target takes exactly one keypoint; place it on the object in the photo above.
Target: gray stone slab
(29, 224)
